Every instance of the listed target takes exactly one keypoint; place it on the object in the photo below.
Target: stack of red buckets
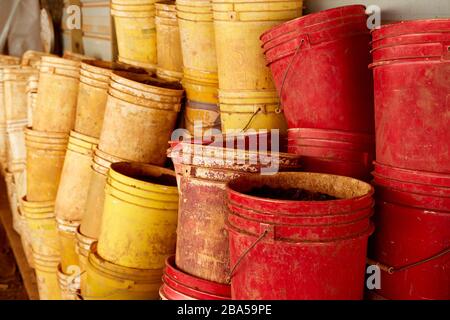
(412, 174)
(319, 65)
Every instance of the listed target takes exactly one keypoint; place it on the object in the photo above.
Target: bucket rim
(397, 28)
(137, 82)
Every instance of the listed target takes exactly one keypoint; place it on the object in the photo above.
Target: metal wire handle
(392, 270)
(251, 118)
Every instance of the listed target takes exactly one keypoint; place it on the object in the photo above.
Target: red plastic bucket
(406, 236)
(333, 55)
(178, 285)
(412, 90)
(353, 138)
(268, 259)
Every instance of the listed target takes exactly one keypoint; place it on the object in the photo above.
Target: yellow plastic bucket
(57, 95)
(136, 34)
(76, 174)
(67, 231)
(32, 88)
(201, 86)
(32, 58)
(243, 110)
(41, 222)
(141, 113)
(47, 276)
(108, 281)
(25, 238)
(83, 247)
(13, 200)
(45, 159)
(140, 216)
(170, 59)
(91, 222)
(8, 60)
(238, 25)
(69, 284)
(92, 94)
(207, 114)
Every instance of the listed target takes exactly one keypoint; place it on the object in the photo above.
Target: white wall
(391, 10)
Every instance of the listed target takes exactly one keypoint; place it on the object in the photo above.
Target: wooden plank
(28, 274)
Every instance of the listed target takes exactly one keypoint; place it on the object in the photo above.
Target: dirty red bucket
(202, 172)
(330, 49)
(270, 262)
(412, 88)
(415, 244)
(178, 285)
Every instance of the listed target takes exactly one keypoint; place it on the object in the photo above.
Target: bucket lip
(166, 5)
(106, 67)
(311, 19)
(117, 172)
(86, 141)
(36, 204)
(46, 134)
(414, 176)
(398, 28)
(127, 273)
(232, 193)
(81, 237)
(193, 282)
(137, 81)
(60, 61)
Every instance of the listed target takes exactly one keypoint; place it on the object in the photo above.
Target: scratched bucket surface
(139, 219)
(203, 172)
(411, 80)
(264, 248)
(178, 285)
(108, 281)
(335, 43)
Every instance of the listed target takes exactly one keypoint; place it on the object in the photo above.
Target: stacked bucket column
(319, 65)
(412, 174)
(202, 174)
(195, 21)
(134, 22)
(247, 95)
(46, 144)
(170, 58)
(139, 118)
(138, 233)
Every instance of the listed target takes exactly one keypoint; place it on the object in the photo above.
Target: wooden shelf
(28, 274)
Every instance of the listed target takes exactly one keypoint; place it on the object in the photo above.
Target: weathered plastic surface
(47, 277)
(412, 94)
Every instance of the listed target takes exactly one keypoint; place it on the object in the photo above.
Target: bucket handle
(302, 40)
(266, 229)
(392, 270)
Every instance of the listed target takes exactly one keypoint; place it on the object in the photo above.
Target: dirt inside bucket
(294, 194)
(164, 179)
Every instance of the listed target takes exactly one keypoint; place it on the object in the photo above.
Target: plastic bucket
(201, 113)
(136, 33)
(411, 244)
(335, 42)
(243, 110)
(15, 145)
(32, 89)
(108, 281)
(13, 200)
(8, 60)
(68, 285)
(404, 73)
(170, 59)
(25, 238)
(41, 222)
(203, 171)
(32, 58)
(200, 86)
(75, 177)
(92, 94)
(67, 240)
(237, 26)
(47, 276)
(178, 285)
(82, 248)
(45, 159)
(57, 95)
(140, 216)
(139, 107)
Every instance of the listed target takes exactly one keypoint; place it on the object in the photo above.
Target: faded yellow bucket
(238, 25)
(57, 95)
(32, 88)
(47, 276)
(33, 58)
(136, 33)
(92, 94)
(76, 173)
(243, 110)
(83, 248)
(170, 58)
(92, 217)
(41, 223)
(206, 115)
(13, 200)
(141, 113)
(140, 216)
(108, 281)
(69, 284)
(201, 86)
(45, 159)
(25, 238)
(67, 231)
(8, 60)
